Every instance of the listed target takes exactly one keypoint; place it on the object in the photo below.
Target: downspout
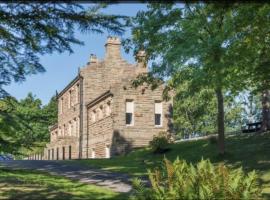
(87, 134)
(81, 116)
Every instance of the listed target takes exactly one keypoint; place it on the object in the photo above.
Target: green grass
(23, 184)
(250, 152)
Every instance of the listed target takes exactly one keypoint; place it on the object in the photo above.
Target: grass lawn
(250, 152)
(23, 184)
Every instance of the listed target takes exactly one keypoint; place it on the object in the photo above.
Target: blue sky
(62, 68)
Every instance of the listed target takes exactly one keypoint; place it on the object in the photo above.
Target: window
(69, 98)
(57, 153)
(49, 154)
(100, 113)
(158, 113)
(52, 154)
(64, 130)
(77, 93)
(63, 152)
(78, 126)
(69, 154)
(93, 116)
(108, 109)
(61, 105)
(59, 131)
(69, 128)
(107, 151)
(129, 112)
(93, 153)
(74, 127)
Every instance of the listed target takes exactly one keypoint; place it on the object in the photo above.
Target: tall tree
(28, 30)
(50, 111)
(191, 36)
(250, 50)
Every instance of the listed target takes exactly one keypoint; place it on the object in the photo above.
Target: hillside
(250, 152)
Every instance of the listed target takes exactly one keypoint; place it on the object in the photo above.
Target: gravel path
(114, 181)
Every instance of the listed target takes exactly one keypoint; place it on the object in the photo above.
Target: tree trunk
(265, 110)
(220, 122)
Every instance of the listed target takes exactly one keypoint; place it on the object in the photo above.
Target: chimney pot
(93, 59)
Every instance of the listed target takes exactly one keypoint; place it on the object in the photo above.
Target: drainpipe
(81, 116)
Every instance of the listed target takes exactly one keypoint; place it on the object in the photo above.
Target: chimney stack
(141, 60)
(113, 47)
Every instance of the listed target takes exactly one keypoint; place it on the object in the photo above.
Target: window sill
(129, 125)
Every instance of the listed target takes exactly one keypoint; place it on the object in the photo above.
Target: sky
(62, 68)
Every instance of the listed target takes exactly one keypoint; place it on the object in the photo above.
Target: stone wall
(100, 127)
(107, 135)
(144, 128)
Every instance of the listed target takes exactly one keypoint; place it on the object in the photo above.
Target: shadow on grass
(22, 184)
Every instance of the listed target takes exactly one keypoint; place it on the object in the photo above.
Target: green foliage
(24, 124)
(30, 30)
(213, 47)
(159, 143)
(26, 32)
(213, 139)
(180, 180)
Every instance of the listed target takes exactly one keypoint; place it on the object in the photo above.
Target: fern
(180, 180)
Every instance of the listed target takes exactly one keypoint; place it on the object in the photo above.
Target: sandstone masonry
(101, 115)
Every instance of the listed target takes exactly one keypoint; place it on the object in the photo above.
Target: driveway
(114, 181)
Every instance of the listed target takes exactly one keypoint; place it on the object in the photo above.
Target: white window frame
(158, 110)
(107, 151)
(130, 110)
(93, 153)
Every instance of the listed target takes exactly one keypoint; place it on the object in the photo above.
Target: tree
(194, 110)
(30, 30)
(50, 111)
(250, 50)
(193, 36)
(24, 125)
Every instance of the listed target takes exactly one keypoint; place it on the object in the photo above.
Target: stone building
(101, 115)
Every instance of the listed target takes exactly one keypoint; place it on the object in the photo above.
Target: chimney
(141, 60)
(113, 47)
(92, 59)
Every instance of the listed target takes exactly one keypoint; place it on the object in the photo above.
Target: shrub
(159, 144)
(180, 180)
(213, 139)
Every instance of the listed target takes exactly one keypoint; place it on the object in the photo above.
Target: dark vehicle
(252, 127)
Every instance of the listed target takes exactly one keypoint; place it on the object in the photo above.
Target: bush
(213, 139)
(159, 144)
(179, 180)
